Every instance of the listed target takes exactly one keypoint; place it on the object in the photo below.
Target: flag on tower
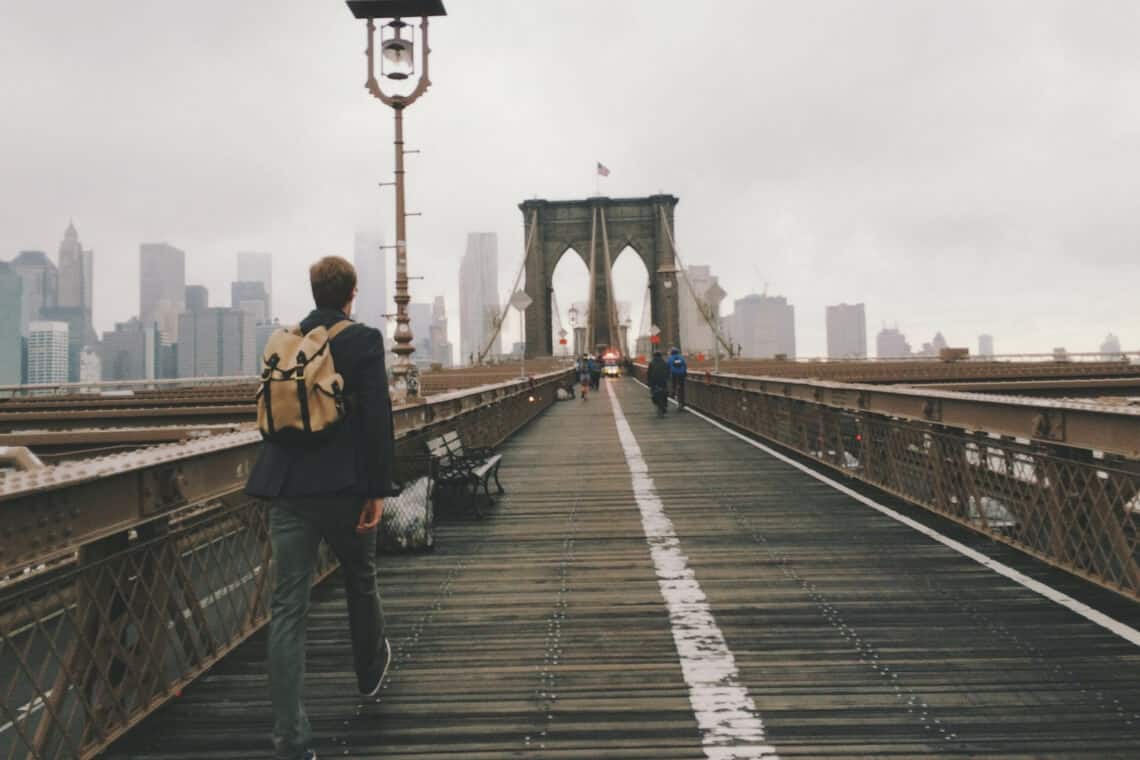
(602, 170)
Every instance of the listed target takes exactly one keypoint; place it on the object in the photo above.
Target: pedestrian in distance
(657, 378)
(325, 466)
(678, 371)
(595, 373)
(584, 375)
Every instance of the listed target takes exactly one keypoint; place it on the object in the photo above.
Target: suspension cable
(507, 301)
(702, 307)
(615, 335)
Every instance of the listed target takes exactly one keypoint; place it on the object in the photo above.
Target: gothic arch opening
(569, 303)
(631, 294)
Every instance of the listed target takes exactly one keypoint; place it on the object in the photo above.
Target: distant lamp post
(398, 64)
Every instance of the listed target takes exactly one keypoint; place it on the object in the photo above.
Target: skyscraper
(1110, 347)
(478, 295)
(440, 345)
(76, 276)
(197, 297)
(419, 320)
(891, 344)
(985, 345)
(47, 352)
(41, 285)
(11, 335)
(257, 267)
(216, 343)
(78, 321)
(696, 334)
(250, 297)
(162, 287)
(846, 331)
(129, 352)
(764, 326)
(371, 263)
(935, 346)
(74, 298)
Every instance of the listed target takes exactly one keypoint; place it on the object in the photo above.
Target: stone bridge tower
(555, 227)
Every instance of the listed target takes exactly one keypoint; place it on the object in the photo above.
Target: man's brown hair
(333, 279)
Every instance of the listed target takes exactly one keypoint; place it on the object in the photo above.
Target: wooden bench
(456, 466)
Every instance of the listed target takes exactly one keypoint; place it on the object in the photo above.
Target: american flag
(602, 170)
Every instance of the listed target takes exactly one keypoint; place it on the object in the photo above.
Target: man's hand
(370, 515)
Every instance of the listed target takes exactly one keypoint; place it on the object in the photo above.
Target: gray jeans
(296, 527)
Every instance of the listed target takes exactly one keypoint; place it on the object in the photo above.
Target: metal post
(522, 341)
(403, 349)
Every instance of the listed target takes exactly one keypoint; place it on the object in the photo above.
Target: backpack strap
(340, 327)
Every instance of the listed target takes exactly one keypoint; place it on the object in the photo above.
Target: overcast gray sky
(959, 166)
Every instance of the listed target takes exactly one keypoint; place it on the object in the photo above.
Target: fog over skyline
(970, 167)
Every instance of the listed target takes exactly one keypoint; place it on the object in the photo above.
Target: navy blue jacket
(357, 458)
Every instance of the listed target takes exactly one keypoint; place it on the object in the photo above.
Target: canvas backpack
(301, 398)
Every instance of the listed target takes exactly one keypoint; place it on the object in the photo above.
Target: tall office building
(40, 285)
(263, 331)
(129, 352)
(250, 297)
(371, 263)
(846, 331)
(478, 296)
(935, 346)
(419, 320)
(764, 326)
(891, 344)
(162, 287)
(76, 278)
(90, 365)
(217, 343)
(11, 334)
(985, 345)
(698, 308)
(1111, 346)
(197, 298)
(257, 267)
(78, 321)
(440, 345)
(47, 352)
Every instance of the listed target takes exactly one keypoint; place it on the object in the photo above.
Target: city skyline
(39, 269)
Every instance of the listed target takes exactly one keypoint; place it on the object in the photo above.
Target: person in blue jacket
(678, 369)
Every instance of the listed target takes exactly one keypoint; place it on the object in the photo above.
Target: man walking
(330, 488)
(678, 371)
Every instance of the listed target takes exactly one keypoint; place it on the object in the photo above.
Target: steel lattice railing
(1074, 506)
(94, 638)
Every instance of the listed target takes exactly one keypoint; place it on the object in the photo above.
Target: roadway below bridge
(661, 588)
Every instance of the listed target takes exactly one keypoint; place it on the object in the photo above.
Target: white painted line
(1123, 630)
(731, 728)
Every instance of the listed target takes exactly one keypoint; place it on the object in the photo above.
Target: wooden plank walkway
(542, 631)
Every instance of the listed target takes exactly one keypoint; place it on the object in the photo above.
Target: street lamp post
(668, 274)
(397, 63)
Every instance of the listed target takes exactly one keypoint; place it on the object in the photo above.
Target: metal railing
(1058, 480)
(125, 577)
